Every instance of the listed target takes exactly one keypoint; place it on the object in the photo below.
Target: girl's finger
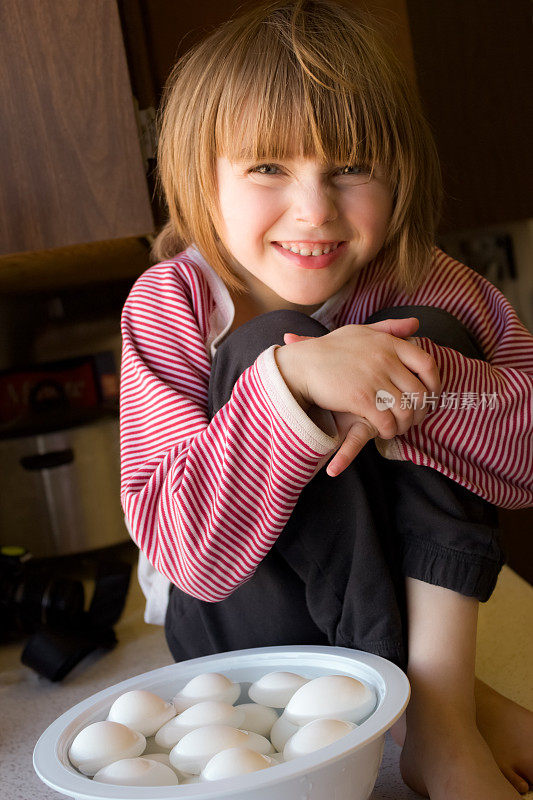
(391, 396)
(421, 363)
(412, 393)
(356, 438)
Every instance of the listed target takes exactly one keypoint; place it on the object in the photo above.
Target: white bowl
(346, 768)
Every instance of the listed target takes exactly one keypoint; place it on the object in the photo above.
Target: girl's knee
(436, 324)
(269, 328)
(241, 348)
(286, 320)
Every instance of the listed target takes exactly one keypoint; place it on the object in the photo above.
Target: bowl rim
(392, 684)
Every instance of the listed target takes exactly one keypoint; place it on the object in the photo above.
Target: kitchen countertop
(30, 703)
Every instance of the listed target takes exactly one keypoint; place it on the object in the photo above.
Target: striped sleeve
(205, 500)
(480, 432)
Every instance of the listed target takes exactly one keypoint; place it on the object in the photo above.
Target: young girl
(303, 182)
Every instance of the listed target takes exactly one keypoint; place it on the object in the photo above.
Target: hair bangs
(277, 107)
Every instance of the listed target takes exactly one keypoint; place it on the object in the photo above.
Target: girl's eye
(262, 167)
(357, 170)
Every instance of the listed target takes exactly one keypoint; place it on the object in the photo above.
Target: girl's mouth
(310, 261)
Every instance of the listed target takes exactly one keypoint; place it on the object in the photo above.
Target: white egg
(331, 696)
(282, 730)
(137, 772)
(161, 757)
(208, 686)
(209, 712)
(259, 743)
(192, 753)
(315, 735)
(276, 758)
(275, 689)
(164, 758)
(232, 762)
(141, 710)
(101, 743)
(257, 718)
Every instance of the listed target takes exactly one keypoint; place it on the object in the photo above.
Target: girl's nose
(314, 207)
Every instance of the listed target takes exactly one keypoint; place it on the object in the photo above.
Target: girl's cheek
(372, 208)
(266, 206)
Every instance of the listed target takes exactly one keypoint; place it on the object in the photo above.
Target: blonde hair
(311, 72)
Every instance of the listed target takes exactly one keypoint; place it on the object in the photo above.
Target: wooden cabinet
(72, 170)
(475, 71)
(157, 32)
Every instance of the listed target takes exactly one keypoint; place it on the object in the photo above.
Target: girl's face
(305, 204)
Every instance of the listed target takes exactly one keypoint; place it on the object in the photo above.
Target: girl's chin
(305, 301)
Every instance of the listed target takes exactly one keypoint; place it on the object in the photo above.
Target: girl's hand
(386, 370)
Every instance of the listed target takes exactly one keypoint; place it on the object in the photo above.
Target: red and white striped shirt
(205, 501)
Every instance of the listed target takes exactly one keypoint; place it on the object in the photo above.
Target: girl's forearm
(291, 374)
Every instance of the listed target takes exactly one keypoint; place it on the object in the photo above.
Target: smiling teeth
(305, 250)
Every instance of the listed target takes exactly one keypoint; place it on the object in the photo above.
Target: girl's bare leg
(444, 754)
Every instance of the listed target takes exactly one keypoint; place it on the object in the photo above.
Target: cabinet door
(475, 73)
(72, 169)
(157, 32)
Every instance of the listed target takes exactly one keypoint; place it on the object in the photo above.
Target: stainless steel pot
(60, 490)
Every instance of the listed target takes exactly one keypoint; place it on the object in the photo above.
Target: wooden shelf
(77, 265)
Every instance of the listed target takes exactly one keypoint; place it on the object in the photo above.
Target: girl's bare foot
(506, 727)
(444, 756)
(508, 730)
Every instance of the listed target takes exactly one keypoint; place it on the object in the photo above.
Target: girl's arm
(204, 500)
(480, 433)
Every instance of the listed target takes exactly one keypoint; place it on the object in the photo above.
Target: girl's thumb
(290, 338)
(396, 327)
